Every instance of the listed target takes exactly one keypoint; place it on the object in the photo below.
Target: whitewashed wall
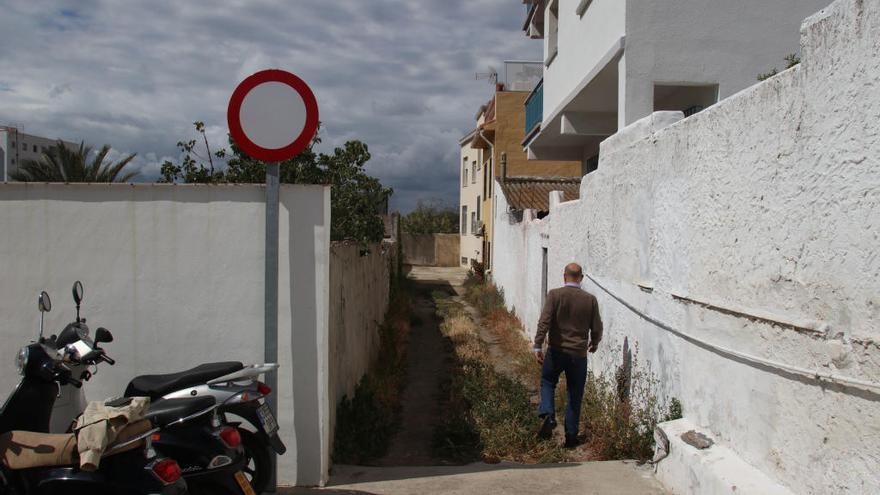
(176, 273)
(518, 254)
(766, 204)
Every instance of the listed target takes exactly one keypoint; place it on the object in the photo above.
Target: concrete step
(715, 470)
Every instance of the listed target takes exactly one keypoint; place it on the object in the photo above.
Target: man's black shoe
(571, 441)
(547, 427)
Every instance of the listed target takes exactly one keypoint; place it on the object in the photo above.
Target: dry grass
(490, 414)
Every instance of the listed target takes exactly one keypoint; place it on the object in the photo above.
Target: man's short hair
(573, 270)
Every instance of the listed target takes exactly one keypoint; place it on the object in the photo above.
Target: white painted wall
(768, 204)
(518, 255)
(176, 273)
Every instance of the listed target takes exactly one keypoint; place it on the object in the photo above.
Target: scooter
(188, 429)
(37, 462)
(239, 394)
(235, 387)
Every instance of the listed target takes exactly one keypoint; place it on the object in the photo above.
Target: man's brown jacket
(571, 318)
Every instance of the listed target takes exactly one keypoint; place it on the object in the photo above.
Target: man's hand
(593, 347)
(539, 356)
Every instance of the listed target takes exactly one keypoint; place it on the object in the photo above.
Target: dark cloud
(396, 74)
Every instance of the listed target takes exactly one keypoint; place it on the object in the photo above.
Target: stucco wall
(359, 292)
(431, 249)
(176, 273)
(767, 204)
(518, 252)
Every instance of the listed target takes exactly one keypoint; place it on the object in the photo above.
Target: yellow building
(500, 131)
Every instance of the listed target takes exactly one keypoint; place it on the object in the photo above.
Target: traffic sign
(272, 115)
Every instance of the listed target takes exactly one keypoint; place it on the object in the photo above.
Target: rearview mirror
(103, 335)
(77, 292)
(44, 303)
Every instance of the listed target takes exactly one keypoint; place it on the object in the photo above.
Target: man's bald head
(574, 273)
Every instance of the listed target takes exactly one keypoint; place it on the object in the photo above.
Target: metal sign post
(272, 116)
(270, 345)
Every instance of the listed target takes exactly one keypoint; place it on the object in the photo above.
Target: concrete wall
(359, 294)
(176, 273)
(764, 208)
(431, 249)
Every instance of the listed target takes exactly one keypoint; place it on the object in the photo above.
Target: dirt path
(421, 411)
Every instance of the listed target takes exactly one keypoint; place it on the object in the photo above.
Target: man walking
(571, 324)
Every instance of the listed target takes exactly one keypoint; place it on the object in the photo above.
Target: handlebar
(107, 359)
(73, 381)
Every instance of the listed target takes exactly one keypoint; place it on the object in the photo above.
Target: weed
(366, 422)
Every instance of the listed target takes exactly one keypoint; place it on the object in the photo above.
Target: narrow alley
(409, 467)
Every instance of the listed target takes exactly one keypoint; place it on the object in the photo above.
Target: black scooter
(36, 462)
(188, 429)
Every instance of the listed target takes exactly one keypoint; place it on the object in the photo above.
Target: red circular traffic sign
(272, 115)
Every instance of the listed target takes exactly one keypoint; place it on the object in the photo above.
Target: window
(491, 180)
(35, 148)
(474, 173)
(464, 260)
(23, 146)
(464, 172)
(464, 219)
(552, 30)
(473, 222)
(464, 183)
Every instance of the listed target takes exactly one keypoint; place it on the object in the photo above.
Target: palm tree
(62, 164)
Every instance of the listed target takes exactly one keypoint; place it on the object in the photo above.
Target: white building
(471, 199)
(16, 147)
(608, 63)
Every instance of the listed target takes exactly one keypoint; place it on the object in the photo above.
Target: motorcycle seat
(166, 411)
(155, 386)
(29, 449)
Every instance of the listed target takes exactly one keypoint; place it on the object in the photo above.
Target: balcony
(535, 108)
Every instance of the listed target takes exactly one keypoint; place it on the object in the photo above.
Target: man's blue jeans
(575, 368)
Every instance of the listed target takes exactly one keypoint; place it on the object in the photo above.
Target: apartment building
(472, 192)
(16, 147)
(609, 63)
(496, 144)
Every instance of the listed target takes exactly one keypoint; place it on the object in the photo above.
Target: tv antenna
(492, 75)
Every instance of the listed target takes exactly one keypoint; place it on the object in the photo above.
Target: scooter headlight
(21, 359)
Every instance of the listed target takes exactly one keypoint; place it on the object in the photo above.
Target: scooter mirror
(44, 303)
(77, 292)
(103, 335)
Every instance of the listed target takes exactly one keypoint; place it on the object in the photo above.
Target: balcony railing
(535, 108)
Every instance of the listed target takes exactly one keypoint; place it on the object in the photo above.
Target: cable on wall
(794, 372)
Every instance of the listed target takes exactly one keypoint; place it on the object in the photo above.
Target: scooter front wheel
(258, 460)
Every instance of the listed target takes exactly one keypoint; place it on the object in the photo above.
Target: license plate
(267, 419)
(243, 483)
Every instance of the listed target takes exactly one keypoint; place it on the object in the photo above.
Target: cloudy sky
(397, 74)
